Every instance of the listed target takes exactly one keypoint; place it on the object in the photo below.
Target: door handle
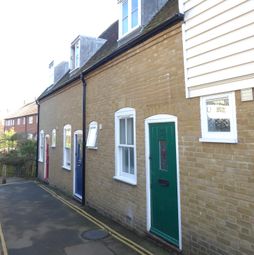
(163, 182)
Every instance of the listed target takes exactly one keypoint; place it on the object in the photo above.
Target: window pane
(130, 139)
(77, 55)
(125, 26)
(163, 155)
(125, 9)
(134, 5)
(218, 115)
(134, 19)
(67, 138)
(54, 137)
(122, 131)
(91, 140)
(68, 157)
(134, 13)
(125, 160)
(131, 151)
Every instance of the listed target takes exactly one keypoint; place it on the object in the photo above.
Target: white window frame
(30, 119)
(218, 137)
(91, 141)
(119, 174)
(53, 138)
(74, 48)
(130, 29)
(66, 165)
(41, 146)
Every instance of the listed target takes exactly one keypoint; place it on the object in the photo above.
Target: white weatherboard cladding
(218, 39)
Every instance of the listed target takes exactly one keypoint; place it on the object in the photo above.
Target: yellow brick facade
(216, 180)
(56, 111)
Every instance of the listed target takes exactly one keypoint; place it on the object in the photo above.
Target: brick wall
(22, 127)
(55, 112)
(216, 179)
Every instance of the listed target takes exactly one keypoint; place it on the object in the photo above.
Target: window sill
(74, 70)
(132, 31)
(66, 168)
(53, 146)
(217, 140)
(125, 180)
(40, 160)
(91, 148)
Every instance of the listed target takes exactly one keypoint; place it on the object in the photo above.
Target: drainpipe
(82, 77)
(38, 132)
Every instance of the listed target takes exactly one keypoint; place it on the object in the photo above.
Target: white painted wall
(218, 40)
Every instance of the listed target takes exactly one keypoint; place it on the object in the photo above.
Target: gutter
(82, 77)
(138, 40)
(38, 137)
(75, 78)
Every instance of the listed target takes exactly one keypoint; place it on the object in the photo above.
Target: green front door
(163, 179)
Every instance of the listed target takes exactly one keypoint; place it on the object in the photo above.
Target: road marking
(2, 241)
(139, 249)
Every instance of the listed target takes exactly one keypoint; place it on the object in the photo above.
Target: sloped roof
(26, 110)
(167, 16)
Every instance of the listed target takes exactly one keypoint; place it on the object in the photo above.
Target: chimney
(60, 70)
(57, 72)
(51, 72)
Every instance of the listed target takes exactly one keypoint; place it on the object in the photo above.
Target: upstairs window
(24, 120)
(53, 138)
(30, 120)
(125, 147)
(130, 16)
(75, 55)
(218, 118)
(92, 135)
(41, 146)
(67, 147)
(18, 121)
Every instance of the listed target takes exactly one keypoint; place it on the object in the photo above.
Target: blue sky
(33, 33)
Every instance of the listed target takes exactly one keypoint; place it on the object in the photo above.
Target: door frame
(46, 141)
(161, 118)
(77, 132)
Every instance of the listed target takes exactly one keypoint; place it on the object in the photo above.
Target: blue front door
(78, 165)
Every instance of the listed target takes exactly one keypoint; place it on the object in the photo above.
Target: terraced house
(23, 121)
(153, 124)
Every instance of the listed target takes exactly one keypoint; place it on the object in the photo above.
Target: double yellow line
(139, 249)
(2, 241)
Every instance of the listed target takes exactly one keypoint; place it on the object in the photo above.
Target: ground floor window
(41, 146)
(67, 147)
(125, 145)
(218, 118)
(91, 142)
(53, 138)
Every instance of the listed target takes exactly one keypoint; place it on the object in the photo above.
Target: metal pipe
(82, 77)
(38, 136)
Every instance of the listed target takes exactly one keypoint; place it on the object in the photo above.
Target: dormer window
(75, 55)
(129, 17)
